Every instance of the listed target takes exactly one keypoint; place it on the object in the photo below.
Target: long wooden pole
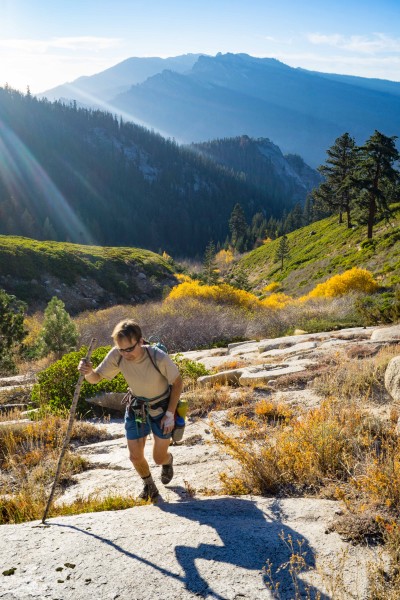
(69, 430)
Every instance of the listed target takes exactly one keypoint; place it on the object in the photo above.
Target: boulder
(290, 340)
(387, 334)
(224, 377)
(110, 400)
(17, 380)
(264, 375)
(392, 378)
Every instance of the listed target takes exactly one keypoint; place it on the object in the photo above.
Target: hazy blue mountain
(233, 94)
(102, 87)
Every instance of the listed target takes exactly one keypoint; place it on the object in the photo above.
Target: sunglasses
(129, 349)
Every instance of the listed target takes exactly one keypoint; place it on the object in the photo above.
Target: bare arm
(86, 368)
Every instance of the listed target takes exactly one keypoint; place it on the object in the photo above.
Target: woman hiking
(154, 389)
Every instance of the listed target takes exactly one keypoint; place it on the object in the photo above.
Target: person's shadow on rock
(249, 539)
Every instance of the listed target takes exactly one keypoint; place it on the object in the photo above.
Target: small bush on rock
(56, 385)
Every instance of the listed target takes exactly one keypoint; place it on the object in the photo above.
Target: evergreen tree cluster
(247, 236)
(359, 180)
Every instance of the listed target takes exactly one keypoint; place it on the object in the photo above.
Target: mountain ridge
(227, 95)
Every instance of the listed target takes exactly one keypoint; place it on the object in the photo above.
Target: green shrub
(59, 333)
(189, 369)
(379, 308)
(56, 384)
(368, 244)
(327, 323)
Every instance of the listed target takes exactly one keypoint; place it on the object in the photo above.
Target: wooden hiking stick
(69, 430)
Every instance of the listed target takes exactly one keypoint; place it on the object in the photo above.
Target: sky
(44, 43)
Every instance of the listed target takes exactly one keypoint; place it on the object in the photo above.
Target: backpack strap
(153, 360)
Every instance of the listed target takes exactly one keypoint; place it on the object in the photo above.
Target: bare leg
(160, 451)
(136, 456)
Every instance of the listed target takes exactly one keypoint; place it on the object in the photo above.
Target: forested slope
(72, 174)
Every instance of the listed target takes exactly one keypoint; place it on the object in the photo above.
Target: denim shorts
(136, 431)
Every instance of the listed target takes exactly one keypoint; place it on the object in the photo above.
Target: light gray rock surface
(303, 347)
(185, 547)
(198, 462)
(207, 547)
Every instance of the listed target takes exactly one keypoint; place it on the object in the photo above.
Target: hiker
(153, 394)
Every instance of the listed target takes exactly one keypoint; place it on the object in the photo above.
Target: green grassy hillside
(323, 249)
(82, 276)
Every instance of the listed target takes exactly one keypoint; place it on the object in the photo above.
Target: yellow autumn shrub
(224, 257)
(33, 325)
(271, 287)
(182, 277)
(222, 294)
(353, 280)
(276, 301)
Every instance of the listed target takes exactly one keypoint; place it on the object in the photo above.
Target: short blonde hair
(127, 329)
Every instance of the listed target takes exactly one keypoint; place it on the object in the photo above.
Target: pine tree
(283, 250)
(308, 212)
(376, 177)
(337, 191)
(210, 274)
(294, 219)
(238, 227)
(59, 334)
(241, 280)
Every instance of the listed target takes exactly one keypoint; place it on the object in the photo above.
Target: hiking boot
(167, 472)
(149, 492)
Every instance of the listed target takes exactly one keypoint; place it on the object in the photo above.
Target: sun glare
(25, 179)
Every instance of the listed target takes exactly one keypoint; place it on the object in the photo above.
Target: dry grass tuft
(358, 379)
(362, 351)
(22, 507)
(206, 399)
(29, 455)
(359, 527)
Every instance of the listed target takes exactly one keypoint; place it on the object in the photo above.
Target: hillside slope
(263, 165)
(84, 277)
(323, 249)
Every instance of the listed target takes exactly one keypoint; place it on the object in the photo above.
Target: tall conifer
(337, 191)
(376, 178)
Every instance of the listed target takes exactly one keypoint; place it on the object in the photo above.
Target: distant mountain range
(194, 98)
(82, 175)
(104, 86)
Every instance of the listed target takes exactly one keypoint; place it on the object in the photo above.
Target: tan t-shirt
(141, 376)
